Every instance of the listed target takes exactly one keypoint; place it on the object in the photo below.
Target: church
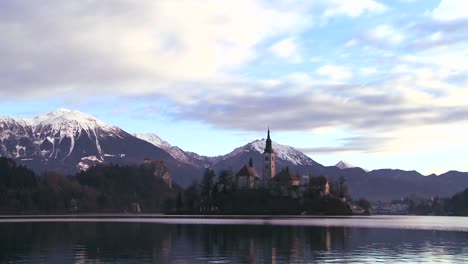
(248, 179)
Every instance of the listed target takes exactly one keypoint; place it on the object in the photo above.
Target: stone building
(247, 177)
(160, 170)
(285, 183)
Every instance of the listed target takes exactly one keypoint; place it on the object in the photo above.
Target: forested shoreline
(133, 189)
(100, 189)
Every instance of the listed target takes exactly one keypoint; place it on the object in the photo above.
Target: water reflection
(72, 242)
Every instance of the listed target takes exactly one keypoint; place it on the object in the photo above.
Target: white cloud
(436, 36)
(451, 10)
(353, 8)
(368, 71)
(386, 33)
(335, 73)
(133, 47)
(286, 49)
(351, 42)
(378, 39)
(298, 78)
(431, 78)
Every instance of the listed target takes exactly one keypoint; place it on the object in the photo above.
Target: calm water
(413, 239)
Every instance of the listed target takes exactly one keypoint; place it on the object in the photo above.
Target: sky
(379, 84)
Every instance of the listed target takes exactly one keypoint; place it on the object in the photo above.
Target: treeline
(220, 195)
(109, 188)
(117, 189)
(458, 204)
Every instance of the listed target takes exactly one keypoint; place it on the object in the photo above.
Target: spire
(268, 147)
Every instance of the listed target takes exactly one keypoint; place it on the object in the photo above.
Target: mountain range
(69, 141)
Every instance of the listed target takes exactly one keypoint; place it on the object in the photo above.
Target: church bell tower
(269, 158)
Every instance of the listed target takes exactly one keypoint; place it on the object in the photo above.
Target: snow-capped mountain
(286, 156)
(15, 135)
(285, 153)
(344, 165)
(154, 139)
(174, 151)
(63, 133)
(186, 157)
(69, 140)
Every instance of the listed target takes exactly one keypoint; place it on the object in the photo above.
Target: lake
(168, 239)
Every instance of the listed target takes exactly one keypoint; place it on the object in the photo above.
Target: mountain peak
(72, 118)
(344, 165)
(174, 151)
(154, 139)
(66, 127)
(7, 119)
(283, 152)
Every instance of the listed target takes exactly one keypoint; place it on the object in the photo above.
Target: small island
(271, 193)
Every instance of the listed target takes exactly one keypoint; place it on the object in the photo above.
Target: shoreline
(438, 223)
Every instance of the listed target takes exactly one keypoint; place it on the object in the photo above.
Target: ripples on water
(154, 241)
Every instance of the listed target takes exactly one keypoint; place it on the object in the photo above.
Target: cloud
(353, 8)
(427, 138)
(286, 49)
(335, 73)
(351, 144)
(386, 33)
(450, 10)
(194, 58)
(380, 36)
(368, 71)
(410, 37)
(357, 108)
(433, 34)
(130, 47)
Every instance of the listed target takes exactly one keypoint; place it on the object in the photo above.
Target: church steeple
(268, 147)
(269, 158)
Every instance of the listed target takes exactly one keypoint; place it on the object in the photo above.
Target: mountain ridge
(69, 141)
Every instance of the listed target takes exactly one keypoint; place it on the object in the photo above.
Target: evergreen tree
(179, 203)
(207, 182)
(226, 177)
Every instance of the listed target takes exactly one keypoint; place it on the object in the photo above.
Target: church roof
(268, 145)
(286, 176)
(247, 171)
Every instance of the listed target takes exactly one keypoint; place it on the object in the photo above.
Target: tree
(458, 204)
(343, 192)
(207, 182)
(364, 204)
(226, 177)
(179, 203)
(192, 196)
